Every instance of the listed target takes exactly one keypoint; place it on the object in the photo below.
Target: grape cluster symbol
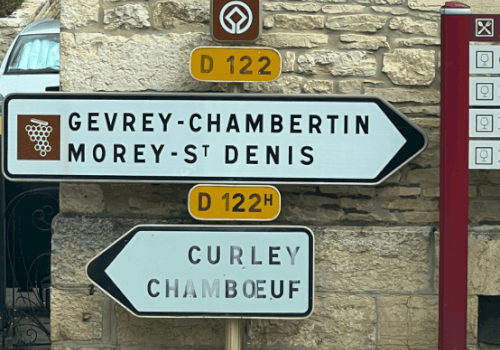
(39, 133)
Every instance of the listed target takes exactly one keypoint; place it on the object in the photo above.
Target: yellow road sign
(227, 202)
(235, 64)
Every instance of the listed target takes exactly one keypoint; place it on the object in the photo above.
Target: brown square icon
(235, 20)
(39, 137)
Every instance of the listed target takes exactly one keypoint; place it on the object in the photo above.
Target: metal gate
(27, 212)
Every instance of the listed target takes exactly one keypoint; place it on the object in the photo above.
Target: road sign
(235, 21)
(225, 202)
(209, 271)
(484, 59)
(485, 27)
(484, 122)
(484, 91)
(235, 64)
(206, 138)
(484, 154)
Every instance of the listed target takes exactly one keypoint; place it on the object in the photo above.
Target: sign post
(454, 172)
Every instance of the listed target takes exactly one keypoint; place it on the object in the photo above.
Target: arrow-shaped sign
(209, 271)
(195, 138)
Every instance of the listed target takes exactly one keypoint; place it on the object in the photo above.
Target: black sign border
(96, 267)
(407, 129)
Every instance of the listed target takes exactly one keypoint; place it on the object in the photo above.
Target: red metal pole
(454, 184)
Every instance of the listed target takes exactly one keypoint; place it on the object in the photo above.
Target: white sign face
(484, 154)
(195, 138)
(484, 122)
(484, 59)
(484, 91)
(214, 271)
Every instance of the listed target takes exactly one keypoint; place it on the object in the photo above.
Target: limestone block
(358, 204)
(431, 192)
(405, 95)
(418, 41)
(285, 84)
(299, 22)
(430, 110)
(76, 240)
(353, 63)
(484, 210)
(324, 214)
(380, 2)
(127, 16)
(356, 23)
(365, 42)
(397, 191)
(278, 40)
(436, 17)
(338, 322)
(76, 13)
(157, 207)
(288, 61)
(174, 12)
(98, 62)
(484, 260)
(169, 332)
(392, 10)
(365, 191)
(419, 176)
(268, 22)
(342, 8)
(372, 259)
(7, 35)
(305, 7)
(80, 198)
(492, 176)
(373, 216)
(483, 263)
(483, 6)
(411, 204)
(489, 191)
(426, 122)
(419, 217)
(319, 87)
(472, 319)
(410, 66)
(408, 322)
(75, 315)
(426, 5)
(408, 25)
(352, 86)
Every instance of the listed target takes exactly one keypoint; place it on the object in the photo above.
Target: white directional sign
(484, 91)
(210, 271)
(484, 122)
(484, 154)
(484, 59)
(195, 138)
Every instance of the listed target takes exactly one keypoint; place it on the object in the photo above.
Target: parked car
(32, 62)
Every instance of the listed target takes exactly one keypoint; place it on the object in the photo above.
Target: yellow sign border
(236, 48)
(235, 219)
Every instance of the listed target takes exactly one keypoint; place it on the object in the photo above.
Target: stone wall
(376, 246)
(30, 11)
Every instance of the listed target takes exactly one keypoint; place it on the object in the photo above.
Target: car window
(35, 54)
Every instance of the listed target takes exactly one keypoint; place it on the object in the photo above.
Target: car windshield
(35, 54)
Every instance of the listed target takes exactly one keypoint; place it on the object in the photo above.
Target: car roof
(44, 26)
